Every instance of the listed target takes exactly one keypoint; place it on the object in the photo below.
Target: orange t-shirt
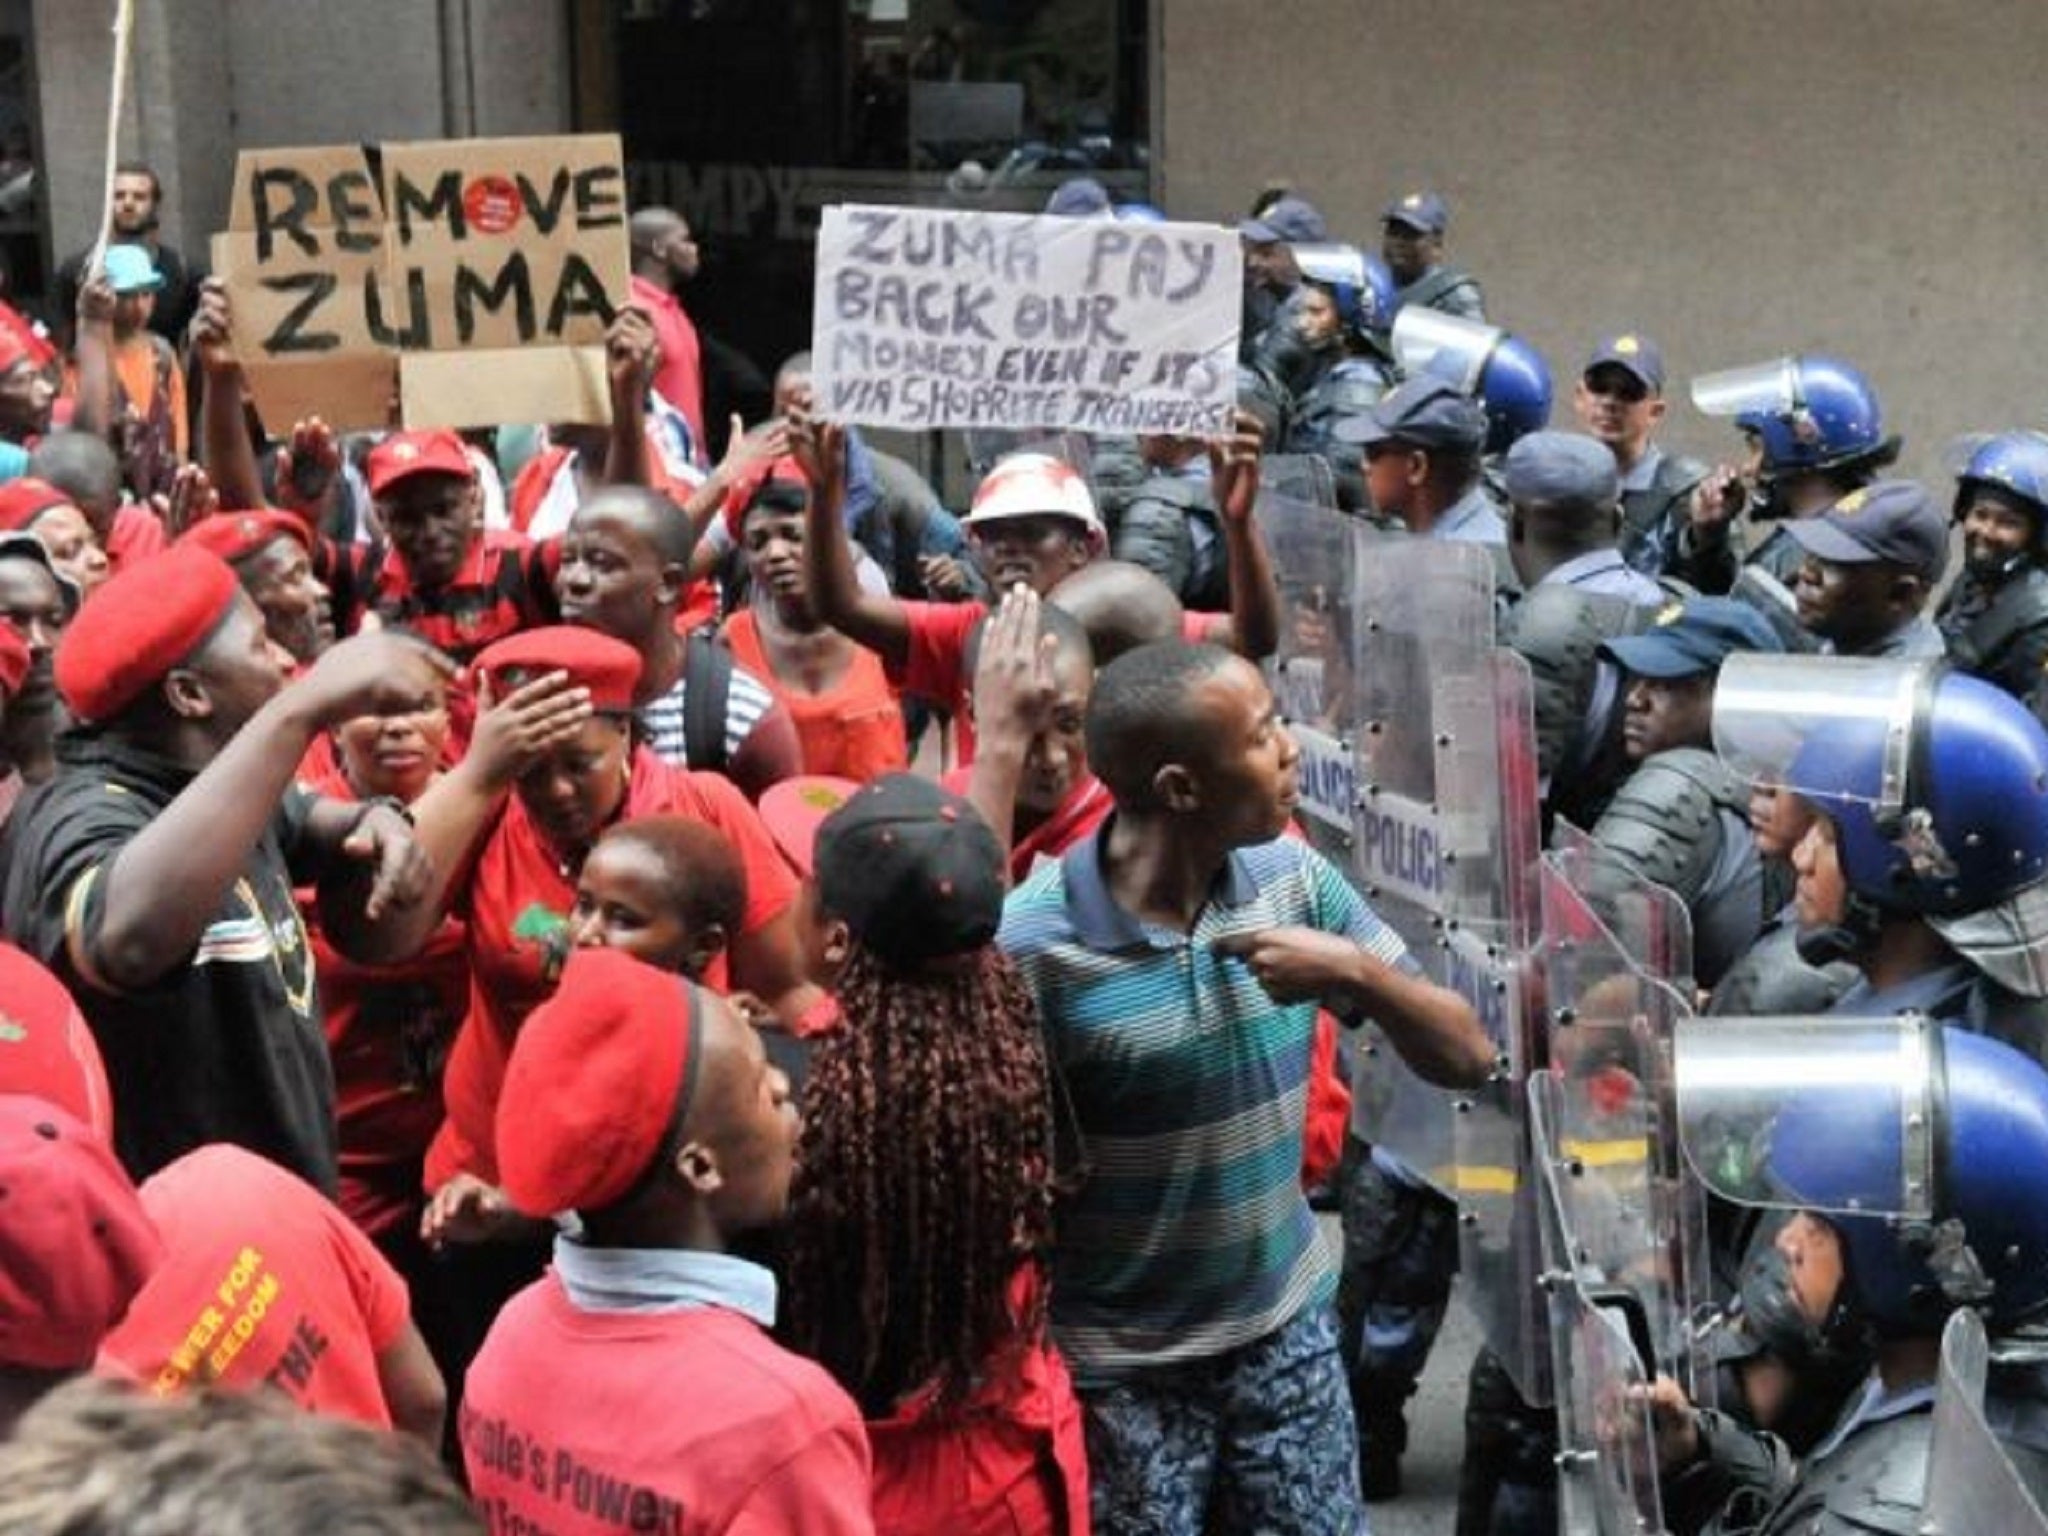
(853, 730)
(264, 1281)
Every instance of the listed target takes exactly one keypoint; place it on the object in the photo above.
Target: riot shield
(1973, 1488)
(1615, 954)
(1311, 672)
(1298, 477)
(1444, 846)
(1600, 1349)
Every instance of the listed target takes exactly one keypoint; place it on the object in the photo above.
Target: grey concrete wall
(1737, 178)
(214, 76)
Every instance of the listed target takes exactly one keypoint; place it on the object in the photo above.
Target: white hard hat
(1033, 485)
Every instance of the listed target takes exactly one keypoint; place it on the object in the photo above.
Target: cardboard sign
(925, 317)
(469, 279)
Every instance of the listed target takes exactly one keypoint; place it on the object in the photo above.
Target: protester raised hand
(371, 674)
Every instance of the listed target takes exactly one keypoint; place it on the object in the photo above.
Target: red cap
(609, 668)
(46, 1047)
(14, 659)
(22, 341)
(138, 626)
(237, 535)
(405, 454)
(602, 1072)
(794, 809)
(746, 485)
(76, 1245)
(24, 500)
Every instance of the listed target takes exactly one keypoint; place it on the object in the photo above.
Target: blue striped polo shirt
(1189, 1236)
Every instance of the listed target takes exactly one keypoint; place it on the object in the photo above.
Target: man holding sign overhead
(927, 318)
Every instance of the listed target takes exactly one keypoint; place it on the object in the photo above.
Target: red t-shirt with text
(264, 1282)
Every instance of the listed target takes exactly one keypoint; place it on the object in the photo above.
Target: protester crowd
(480, 962)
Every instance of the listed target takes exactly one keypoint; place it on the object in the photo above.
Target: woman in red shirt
(520, 888)
(848, 718)
(923, 1200)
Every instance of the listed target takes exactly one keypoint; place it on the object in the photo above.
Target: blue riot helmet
(1339, 270)
(1517, 394)
(1921, 1145)
(2011, 466)
(1504, 373)
(1936, 782)
(1810, 414)
(1139, 213)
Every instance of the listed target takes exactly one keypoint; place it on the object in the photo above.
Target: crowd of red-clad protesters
(477, 966)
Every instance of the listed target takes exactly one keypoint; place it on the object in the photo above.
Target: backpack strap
(707, 688)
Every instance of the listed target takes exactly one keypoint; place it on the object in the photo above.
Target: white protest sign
(928, 317)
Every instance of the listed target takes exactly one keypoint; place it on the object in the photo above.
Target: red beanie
(601, 1074)
(76, 1245)
(609, 668)
(24, 500)
(237, 535)
(46, 1047)
(138, 626)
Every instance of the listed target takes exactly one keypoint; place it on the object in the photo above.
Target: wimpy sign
(924, 317)
(471, 279)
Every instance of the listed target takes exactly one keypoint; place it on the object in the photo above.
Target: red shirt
(1012, 1462)
(389, 1029)
(853, 730)
(690, 1421)
(935, 669)
(505, 584)
(517, 898)
(1086, 806)
(263, 1281)
(680, 379)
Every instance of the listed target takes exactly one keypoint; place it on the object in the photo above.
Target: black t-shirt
(227, 1047)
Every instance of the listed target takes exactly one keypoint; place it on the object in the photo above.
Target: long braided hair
(923, 1181)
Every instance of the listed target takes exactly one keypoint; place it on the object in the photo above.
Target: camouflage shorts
(1260, 1439)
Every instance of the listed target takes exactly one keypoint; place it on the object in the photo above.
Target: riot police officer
(1927, 865)
(1620, 400)
(1412, 241)
(1995, 618)
(1911, 1155)
(1814, 430)
(1681, 817)
(1340, 320)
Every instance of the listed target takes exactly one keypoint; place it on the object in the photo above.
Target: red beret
(46, 1047)
(405, 454)
(609, 668)
(22, 341)
(601, 1074)
(138, 626)
(237, 535)
(794, 809)
(76, 1245)
(14, 659)
(24, 500)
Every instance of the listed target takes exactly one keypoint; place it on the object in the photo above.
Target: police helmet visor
(1816, 1113)
(1448, 346)
(1827, 728)
(1764, 388)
